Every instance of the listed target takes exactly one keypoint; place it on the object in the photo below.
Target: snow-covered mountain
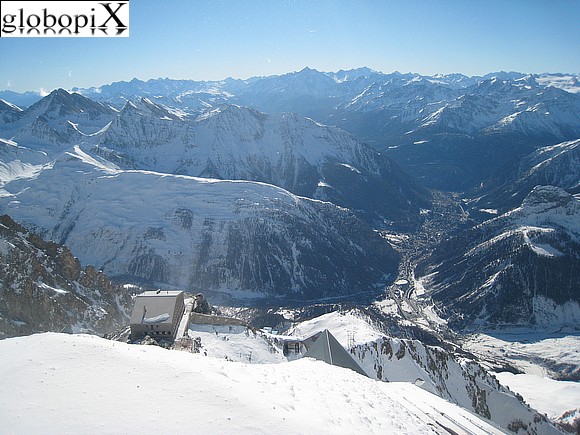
(508, 106)
(286, 150)
(230, 142)
(568, 82)
(44, 288)
(298, 248)
(381, 108)
(520, 268)
(216, 187)
(18, 162)
(555, 165)
(59, 119)
(238, 238)
(451, 130)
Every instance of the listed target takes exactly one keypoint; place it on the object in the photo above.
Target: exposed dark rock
(44, 288)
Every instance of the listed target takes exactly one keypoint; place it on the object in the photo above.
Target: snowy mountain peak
(308, 70)
(503, 75)
(64, 103)
(231, 112)
(60, 117)
(342, 76)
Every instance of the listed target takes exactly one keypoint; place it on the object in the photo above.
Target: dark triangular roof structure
(327, 348)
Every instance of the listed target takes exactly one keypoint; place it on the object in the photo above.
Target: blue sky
(213, 39)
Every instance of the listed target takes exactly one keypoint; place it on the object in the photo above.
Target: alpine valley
(435, 218)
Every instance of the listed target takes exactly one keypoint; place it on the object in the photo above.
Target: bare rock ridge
(44, 288)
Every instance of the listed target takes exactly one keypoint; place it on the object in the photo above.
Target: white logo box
(64, 19)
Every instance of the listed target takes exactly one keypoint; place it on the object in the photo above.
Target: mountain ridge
(518, 268)
(224, 236)
(229, 142)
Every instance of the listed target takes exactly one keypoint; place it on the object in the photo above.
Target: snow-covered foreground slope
(235, 343)
(453, 375)
(55, 383)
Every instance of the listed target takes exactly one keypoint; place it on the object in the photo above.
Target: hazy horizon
(212, 40)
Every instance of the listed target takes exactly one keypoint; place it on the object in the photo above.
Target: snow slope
(54, 383)
(200, 234)
(449, 374)
(236, 343)
(546, 395)
(18, 162)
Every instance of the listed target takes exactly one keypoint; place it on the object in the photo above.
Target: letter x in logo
(121, 27)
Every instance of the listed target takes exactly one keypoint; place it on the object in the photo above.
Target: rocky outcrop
(44, 288)
(201, 305)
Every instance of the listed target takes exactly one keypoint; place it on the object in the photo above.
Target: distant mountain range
(245, 189)
(450, 131)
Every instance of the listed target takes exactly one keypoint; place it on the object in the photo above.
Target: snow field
(548, 396)
(57, 383)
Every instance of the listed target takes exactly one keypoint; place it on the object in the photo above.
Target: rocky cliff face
(44, 288)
